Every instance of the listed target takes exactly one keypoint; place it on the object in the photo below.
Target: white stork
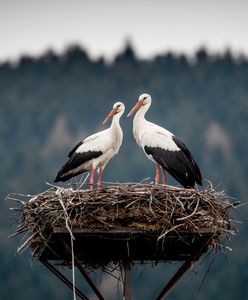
(95, 151)
(163, 147)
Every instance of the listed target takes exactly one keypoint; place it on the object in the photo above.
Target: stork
(163, 147)
(94, 152)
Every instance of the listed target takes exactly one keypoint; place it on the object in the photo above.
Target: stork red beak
(136, 107)
(110, 115)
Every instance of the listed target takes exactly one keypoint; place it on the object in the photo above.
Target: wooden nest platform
(118, 225)
(124, 222)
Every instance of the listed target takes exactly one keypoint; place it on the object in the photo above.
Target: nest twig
(158, 209)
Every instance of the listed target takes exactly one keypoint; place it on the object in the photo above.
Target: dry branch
(144, 207)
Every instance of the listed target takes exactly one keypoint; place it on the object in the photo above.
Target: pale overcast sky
(154, 26)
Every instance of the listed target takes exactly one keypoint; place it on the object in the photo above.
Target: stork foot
(99, 180)
(164, 177)
(157, 174)
(92, 179)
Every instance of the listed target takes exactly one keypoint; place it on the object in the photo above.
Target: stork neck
(141, 113)
(115, 122)
(116, 132)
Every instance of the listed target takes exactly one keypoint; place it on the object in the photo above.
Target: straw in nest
(160, 209)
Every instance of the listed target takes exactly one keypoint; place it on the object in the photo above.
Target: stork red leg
(92, 178)
(164, 176)
(157, 174)
(99, 177)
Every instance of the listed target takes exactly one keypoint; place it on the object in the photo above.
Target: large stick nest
(143, 207)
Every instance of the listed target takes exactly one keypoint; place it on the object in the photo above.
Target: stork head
(143, 101)
(118, 110)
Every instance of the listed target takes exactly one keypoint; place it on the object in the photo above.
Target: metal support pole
(83, 272)
(127, 281)
(64, 279)
(181, 271)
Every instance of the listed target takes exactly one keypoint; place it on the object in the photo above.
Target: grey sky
(32, 26)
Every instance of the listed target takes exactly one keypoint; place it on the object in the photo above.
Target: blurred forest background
(51, 102)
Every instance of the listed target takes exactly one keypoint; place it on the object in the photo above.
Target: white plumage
(94, 152)
(163, 147)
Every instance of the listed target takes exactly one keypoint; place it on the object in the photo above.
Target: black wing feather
(180, 164)
(75, 148)
(70, 168)
(193, 165)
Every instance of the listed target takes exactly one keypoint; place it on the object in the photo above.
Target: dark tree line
(50, 102)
